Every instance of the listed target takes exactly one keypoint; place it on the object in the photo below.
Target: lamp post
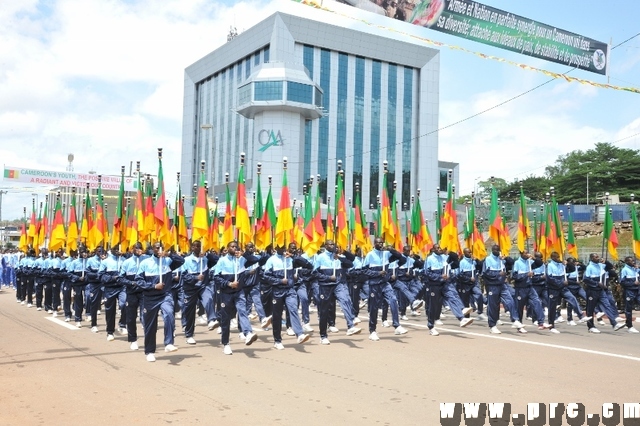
(588, 173)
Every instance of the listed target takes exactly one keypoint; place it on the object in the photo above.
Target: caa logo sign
(268, 138)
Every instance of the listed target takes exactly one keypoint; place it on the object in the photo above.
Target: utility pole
(1, 192)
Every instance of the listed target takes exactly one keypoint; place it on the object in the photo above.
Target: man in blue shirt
(595, 277)
(196, 287)
(114, 289)
(155, 278)
(525, 294)
(128, 271)
(376, 268)
(332, 267)
(279, 271)
(631, 285)
(494, 275)
(228, 275)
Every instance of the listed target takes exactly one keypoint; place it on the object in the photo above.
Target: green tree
(534, 188)
(610, 169)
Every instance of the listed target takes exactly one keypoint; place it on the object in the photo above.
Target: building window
(343, 80)
(318, 98)
(307, 59)
(266, 54)
(374, 152)
(392, 103)
(244, 94)
(407, 127)
(298, 92)
(358, 124)
(323, 124)
(268, 90)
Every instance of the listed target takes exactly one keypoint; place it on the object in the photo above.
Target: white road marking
(62, 323)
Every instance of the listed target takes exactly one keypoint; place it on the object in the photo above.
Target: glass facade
(368, 117)
(268, 90)
(374, 153)
(298, 92)
(308, 61)
(244, 94)
(323, 131)
(358, 124)
(392, 99)
(407, 137)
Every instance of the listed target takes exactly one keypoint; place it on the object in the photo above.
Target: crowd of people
(280, 287)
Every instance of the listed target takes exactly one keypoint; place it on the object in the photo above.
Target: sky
(104, 80)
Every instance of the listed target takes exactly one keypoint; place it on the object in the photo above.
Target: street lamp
(35, 195)
(588, 173)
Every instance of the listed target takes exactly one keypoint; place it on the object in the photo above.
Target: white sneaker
(325, 341)
(333, 329)
(303, 338)
(482, 317)
(29, 305)
(494, 330)
(517, 324)
(54, 314)
(252, 316)
(49, 311)
(594, 330)
(619, 326)
(201, 320)
(213, 325)
(307, 328)
(560, 319)
(170, 348)
(290, 332)
(353, 330)
(133, 346)
(151, 358)
(438, 322)
(233, 324)
(400, 330)
(110, 338)
(219, 330)
(434, 332)
(374, 336)
(266, 322)
(554, 330)
(404, 318)
(466, 321)
(417, 304)
(599, 315)
(241, 336)
(191, 341)
(633, 330)
(386, 324)
(572, 322)
(521, 330)
(227, 350)
(499, 322)
(278, 345)
(357, 320)
(79, 324)
(22, 302)
(38, 309)
(363, 303)
(94, 329)
(67, 319)
(250, 338)
(415, 313)
(620, 319)
(178, 315)
(584, 319)
(466, 311)
(123, 331)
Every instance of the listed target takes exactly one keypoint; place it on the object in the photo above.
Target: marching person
(595, 277)
(196, 287)
(114, 291)
(93, 290)
(228, 274)
(631, 285)
(525, 294)
(494, 274)
(332, 266)
(155, 278)
(128, 271)
(376, 264)
(279, 272)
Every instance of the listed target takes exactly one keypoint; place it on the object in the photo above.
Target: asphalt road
(52, 374)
